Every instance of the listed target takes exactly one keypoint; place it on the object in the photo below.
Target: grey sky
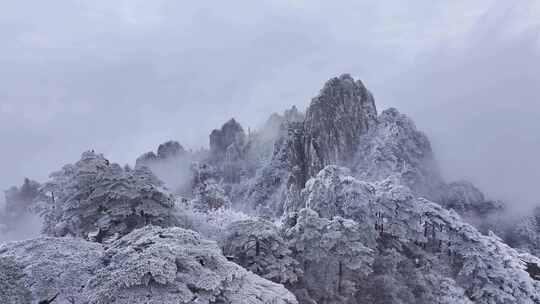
(123, 76)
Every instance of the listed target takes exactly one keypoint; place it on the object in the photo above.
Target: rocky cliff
(335, 120)
(338, 205)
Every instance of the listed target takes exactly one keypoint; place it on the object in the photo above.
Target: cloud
(478, 100)
(123, 76)
(28, 227)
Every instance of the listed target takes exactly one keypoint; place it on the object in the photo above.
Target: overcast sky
(123, 76)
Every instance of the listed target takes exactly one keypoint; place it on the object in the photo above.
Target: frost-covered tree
(402, 276)
(208, 192)
(149, 265)
(387, 229)
(387, 282)
(155, 265)
(486, 269)
(492, 272)
(446, 291)
(12, 289)
(334, 192)
(97, 200)
(209, 223)
(47, 268)
(394, 147)
(524, 232)
(210, 195)
(333, 255)
(257, 246)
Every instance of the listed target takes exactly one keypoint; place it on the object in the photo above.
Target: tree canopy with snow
(98, 200)
(339, 205)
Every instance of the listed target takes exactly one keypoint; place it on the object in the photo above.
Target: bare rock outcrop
(166, 151)
(170, 149)
(227, 140)
(335, 120)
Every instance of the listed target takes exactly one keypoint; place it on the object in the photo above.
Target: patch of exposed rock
(228, 141)
(342, 112)
(167, 150)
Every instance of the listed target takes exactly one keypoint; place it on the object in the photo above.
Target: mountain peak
(230, 133)
(335, 120)
(170, 149)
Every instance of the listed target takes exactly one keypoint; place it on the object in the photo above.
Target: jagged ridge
(358, 195)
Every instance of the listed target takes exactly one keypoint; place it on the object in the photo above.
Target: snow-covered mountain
(337, 204)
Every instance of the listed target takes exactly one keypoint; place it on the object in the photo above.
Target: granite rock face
(335, 121)
(146, 159)
(328, 134)
(464, 197)
(228, 149)
(228, 140)
(170, 149)
(166, 151)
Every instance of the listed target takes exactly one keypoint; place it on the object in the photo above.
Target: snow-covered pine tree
(98, 200)
(332, 252)
(258, 246)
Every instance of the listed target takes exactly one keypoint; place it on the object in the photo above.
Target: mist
(175, 173)
(122, 78)
(29, 227)
(477, 99)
